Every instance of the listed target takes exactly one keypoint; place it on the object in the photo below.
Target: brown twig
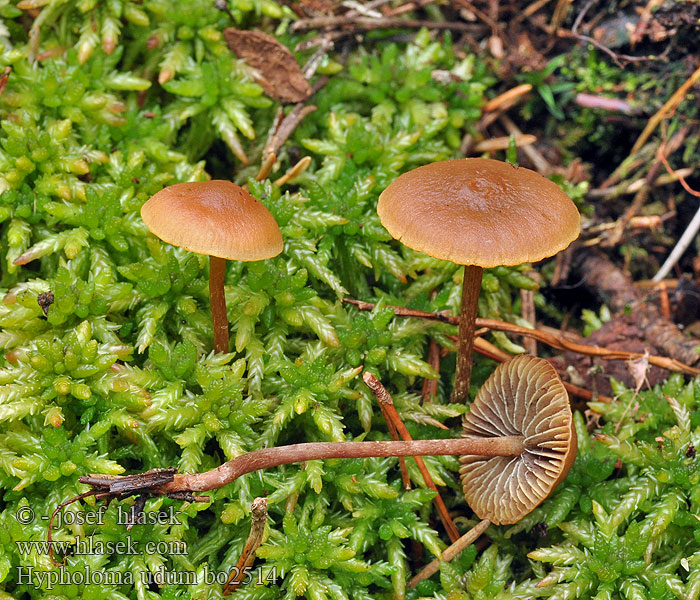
(507, 98)
(383, 23)
(450, 552)
(287, 127)
(487, 349)
(503, 143)
(258, 520)
(393, 432)
(641, 196)
(669, 106)
(388, 408)
(266, 166)
(632, 187)
(557, 342)
(294, 171)
(430, 385)
(617, 58)
(540, 163)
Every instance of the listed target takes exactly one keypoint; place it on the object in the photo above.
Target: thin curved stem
(471, 287)
(284, 455)
(219, 317)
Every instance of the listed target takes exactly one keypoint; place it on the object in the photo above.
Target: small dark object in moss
(45, 299)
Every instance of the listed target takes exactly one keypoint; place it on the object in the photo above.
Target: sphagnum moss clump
(107, 360)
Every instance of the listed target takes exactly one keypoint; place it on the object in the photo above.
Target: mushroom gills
(525, 397)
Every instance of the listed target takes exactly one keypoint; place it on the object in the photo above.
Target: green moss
(107, 343)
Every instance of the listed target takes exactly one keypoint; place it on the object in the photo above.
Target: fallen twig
(383, 23)
(618, 291)
(450, 552)
(384, 398)
(430, 385)
(294, 171)
(503, 143)
(507, 98)
(557, 342)
(258, 511)
(633, 187)
(540, 163)
(487, 349)
(643, 193)
(670, 105)
(287, 127)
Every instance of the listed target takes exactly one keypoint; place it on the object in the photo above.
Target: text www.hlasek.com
(47, 579)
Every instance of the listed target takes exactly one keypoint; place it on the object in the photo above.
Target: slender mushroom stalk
(217, 299)
(480, 213)
(519, 423)
(471, 286)
(219, 219)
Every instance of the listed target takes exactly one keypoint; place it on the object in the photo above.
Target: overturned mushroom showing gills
(523, 418)
(523, 397)
(479, 213)
(220, 219)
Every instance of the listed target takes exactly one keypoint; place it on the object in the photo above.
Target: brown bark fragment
(280, 75)
(618, 291)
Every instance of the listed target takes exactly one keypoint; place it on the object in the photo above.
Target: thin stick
(384, 23)
(560, 343)
(503, 143)
(641, 196)
(430, 385)
(450, 552)
(507, 97)
(287, 127)
(266, 166)
(633, 187)
(258, 520)
(680, 247)
(539, 162)
(217, 299)
(294, 171)
(395, 436)
(670, 105)
(487, 349)
(387, 404)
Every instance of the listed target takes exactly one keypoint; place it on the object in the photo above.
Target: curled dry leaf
(278, 71)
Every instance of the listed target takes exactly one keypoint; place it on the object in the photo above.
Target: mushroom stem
(513, 445)
(219, 317)
(471, 287)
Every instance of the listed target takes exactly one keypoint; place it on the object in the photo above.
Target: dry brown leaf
(278, 70)
(638, 368)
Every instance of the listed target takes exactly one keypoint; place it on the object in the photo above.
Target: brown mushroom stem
(512, 445)
(219, 317)
(471, 287)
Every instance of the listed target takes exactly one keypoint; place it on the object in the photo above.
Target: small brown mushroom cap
(478, 211)
(523, 396)
(218, 218)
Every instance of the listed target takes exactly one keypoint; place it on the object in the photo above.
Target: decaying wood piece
(279, 72)
(618, 291)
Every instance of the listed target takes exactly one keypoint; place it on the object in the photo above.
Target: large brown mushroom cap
(523, 396)
(217, 217)
(478, 211)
